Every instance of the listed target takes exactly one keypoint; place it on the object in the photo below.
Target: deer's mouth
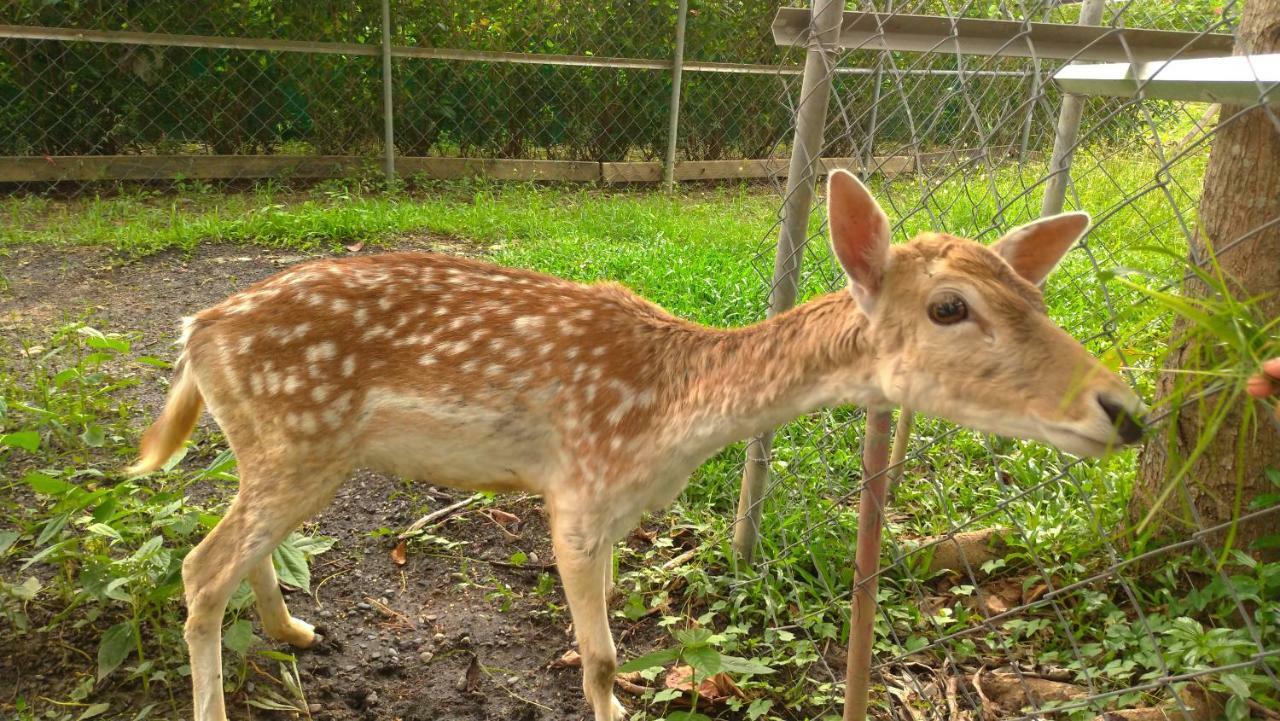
(1088, 445)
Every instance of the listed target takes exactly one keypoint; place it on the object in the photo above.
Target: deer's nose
(1127, 424)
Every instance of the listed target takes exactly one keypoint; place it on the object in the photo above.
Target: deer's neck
(747, 380)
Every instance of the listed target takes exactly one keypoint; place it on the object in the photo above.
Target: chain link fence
(1017, 582)
(228, 90)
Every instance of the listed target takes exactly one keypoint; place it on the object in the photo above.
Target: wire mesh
(1014, 582)
(182, 99)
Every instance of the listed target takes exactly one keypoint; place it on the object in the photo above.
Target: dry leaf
(470, 680)
(356, 246)
(1033, 594)
(503, 518)
(714, 689)
(1012, 692)
(397, 553)
(570, 659)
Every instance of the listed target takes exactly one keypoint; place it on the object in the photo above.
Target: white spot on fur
(292, 383)
(319, 393)
(324, 350)
(244, 345)
(426, 359)
(348, 366)
(529, 323)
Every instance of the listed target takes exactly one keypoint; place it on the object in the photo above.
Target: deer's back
(432, 366)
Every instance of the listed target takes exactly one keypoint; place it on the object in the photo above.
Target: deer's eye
(949, 310)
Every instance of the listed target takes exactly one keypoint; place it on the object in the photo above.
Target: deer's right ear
(859, 235)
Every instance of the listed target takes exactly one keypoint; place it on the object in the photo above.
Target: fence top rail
(129, 37)
(1009, 38)
(1236, 80)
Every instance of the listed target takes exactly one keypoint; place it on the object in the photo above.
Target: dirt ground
(412, 642)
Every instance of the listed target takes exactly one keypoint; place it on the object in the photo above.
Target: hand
(1267, 382)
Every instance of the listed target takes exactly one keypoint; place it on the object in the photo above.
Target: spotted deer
(480, 377)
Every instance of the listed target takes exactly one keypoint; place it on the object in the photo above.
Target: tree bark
(1241, 196)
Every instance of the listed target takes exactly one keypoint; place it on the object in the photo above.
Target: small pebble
(426, 656)
(513, 680)
(375, 655)
(363, 606)
(372, 698)
(432, 617)
(438, 638)
(315, 707)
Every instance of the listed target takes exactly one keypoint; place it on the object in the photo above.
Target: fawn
(475, 376)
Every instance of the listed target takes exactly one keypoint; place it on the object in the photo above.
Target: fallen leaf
(503, 518)
(397, 553)
(1033, 594)
(570, 659)
(1012, 692)
(714, 689)
(356, 246)
(470, 680)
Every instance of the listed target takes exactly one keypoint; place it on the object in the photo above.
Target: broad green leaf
(93, 436)
(94, 710)
(102, 529)
(1237, 685)
(291, 565)
(239, 636)
(692, 636)
(650, 660)
(47, 485)
(7, 539)
(704, 659)
(116, 645)
(312, 545)
(758, 708)
(687, 716)
(26, 440)
(667, 694)
(742, 666)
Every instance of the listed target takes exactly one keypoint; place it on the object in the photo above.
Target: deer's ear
(859, 235)
(1033, 250)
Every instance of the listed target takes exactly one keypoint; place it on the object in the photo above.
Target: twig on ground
(438, 515)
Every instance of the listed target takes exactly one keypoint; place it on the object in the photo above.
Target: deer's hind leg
(277, 623)
(266, 509)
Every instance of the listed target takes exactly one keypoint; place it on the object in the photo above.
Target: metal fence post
(1068, 130)
(388, 117)
(806, 153)
(673, 120)
(866, 563)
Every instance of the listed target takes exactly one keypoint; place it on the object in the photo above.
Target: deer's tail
(177, 420)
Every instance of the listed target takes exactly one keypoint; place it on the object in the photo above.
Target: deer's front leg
(583, 557)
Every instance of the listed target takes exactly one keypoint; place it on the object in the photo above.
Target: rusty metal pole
(388, 107)
(875, 461)
(673, 112)
(1068, 130)
(806, 153)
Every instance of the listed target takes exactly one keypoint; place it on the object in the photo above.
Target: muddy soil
(454, 634)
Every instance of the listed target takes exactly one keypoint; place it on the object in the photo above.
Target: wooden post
(388, 117)
(673, 116)
(875, 457)
(806, 152)
(1068, 130)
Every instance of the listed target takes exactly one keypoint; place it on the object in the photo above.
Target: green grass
(704, 254)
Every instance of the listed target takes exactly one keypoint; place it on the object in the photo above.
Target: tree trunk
(1241, 195)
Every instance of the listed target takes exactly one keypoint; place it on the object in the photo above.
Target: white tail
(474, 376)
